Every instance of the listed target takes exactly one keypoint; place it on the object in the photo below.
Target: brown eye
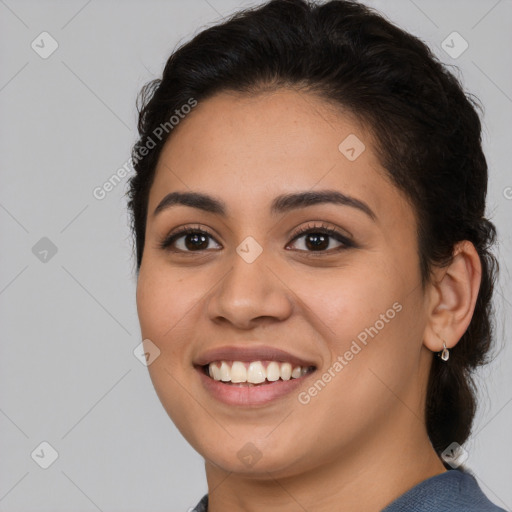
(318, 239)
(194, 240)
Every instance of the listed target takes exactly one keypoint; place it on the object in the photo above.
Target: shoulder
(455, 490)
(202, 506)
(452, 491)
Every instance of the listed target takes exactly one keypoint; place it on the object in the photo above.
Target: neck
(367, 476)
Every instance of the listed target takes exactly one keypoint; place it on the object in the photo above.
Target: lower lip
(249, 395)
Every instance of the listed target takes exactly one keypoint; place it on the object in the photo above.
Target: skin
(367, 424)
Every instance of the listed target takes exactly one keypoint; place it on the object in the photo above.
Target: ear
(453, 293)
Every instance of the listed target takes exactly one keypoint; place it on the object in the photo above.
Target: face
(325, 286)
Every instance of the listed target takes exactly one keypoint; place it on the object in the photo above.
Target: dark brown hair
(426, 128)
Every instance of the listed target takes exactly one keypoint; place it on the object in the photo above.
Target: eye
(318, 238)
(194, 240)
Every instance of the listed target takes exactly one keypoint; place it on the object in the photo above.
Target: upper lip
(247, 354)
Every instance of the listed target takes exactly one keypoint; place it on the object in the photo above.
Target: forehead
(249, 149)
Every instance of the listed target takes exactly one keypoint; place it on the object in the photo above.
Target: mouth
(254, 373)
(251, 376)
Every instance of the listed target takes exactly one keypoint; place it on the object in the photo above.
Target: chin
(255, 458)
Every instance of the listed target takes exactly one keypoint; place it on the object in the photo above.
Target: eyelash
(166, 243)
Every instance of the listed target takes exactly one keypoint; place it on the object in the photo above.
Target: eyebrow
(281, 204)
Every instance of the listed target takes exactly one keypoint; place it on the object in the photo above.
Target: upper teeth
(254, 372)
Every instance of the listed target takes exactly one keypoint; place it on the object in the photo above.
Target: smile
(254, 372)
(251, 375)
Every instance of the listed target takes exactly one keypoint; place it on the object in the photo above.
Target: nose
(250, 294)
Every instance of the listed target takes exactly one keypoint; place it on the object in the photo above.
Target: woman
(314, 273)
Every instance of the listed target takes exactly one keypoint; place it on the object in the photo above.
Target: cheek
(371, 323)
(162, 301)
(345, 301)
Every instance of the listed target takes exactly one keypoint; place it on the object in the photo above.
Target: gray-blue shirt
(452, 491)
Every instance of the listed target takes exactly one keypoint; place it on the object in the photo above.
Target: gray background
(68, 375)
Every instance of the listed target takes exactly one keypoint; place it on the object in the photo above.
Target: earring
(445, 353)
